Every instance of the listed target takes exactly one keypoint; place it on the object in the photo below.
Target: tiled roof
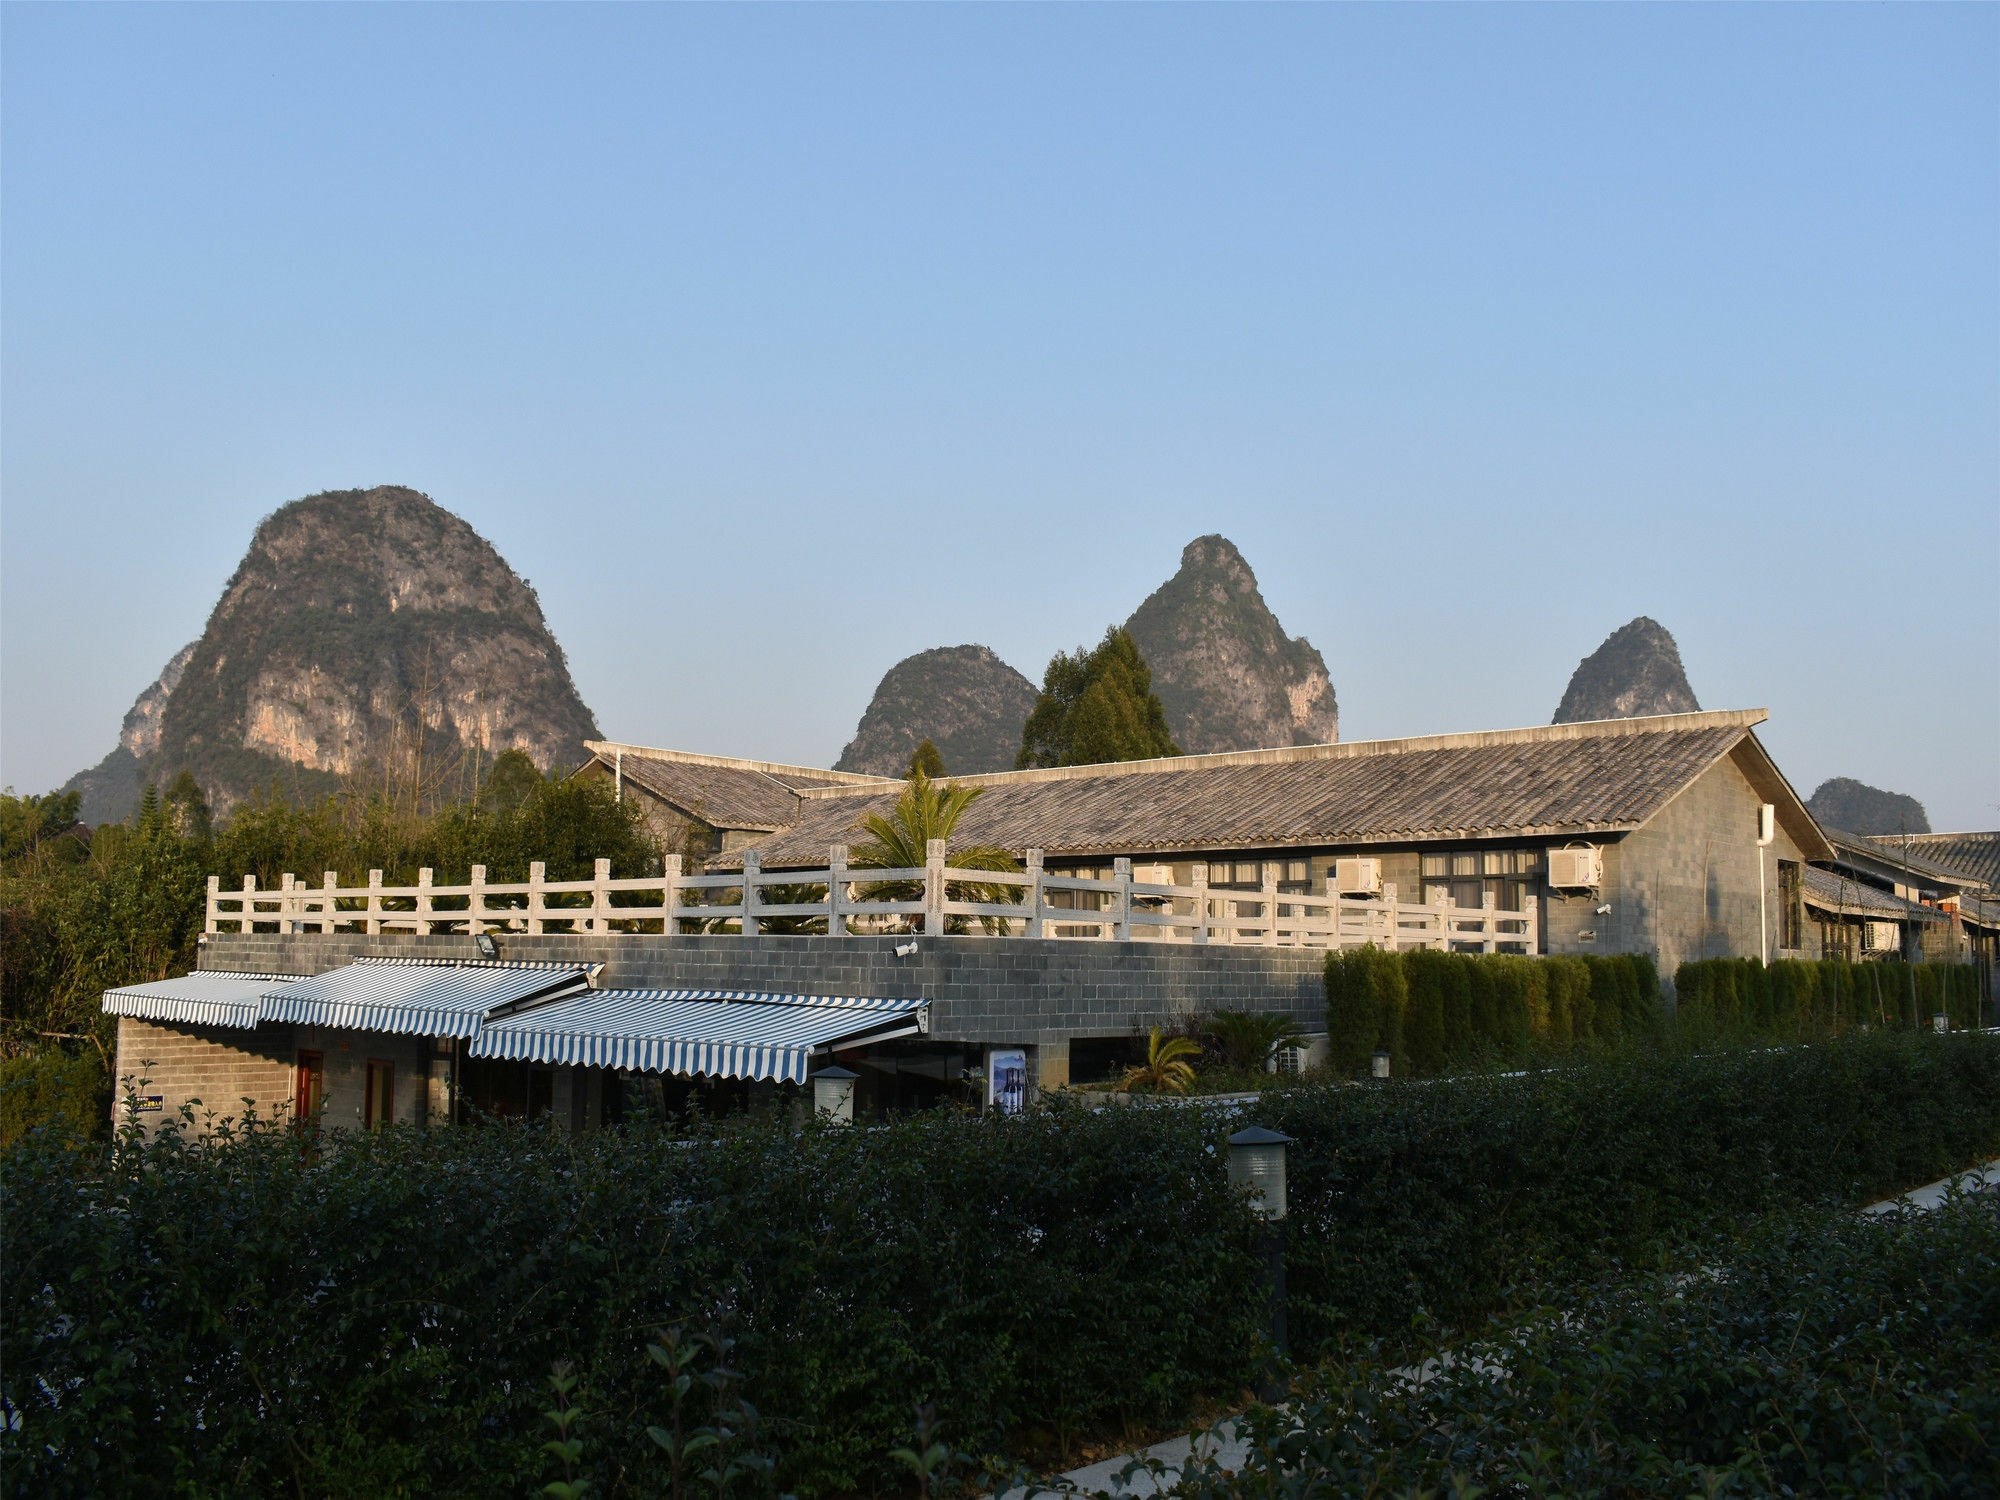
(757, 796)
(1974, 854)
(1885, 855)
(1555, 781)
(1828, 892)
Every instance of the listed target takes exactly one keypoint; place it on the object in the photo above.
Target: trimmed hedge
(1724, 998)
(1836, 1356)
(377, 1314)
(1457, 1197)
(1437, 1011)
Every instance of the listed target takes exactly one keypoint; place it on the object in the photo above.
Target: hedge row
(376, 1314)
(1739, 997)
(1838, 1356)
(1460, 1196)
(1432, 1011)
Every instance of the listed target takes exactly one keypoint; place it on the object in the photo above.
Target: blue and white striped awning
(203, 998)
(420, 998)
(722, 1033)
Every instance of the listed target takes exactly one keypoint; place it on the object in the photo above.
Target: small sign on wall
(152, 1104)
(1007, 1080)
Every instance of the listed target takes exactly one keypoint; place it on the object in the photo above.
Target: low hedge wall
(251, 1313)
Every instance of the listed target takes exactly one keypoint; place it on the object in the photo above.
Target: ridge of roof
(1739, 718)
(1887, 849)
(776, 770)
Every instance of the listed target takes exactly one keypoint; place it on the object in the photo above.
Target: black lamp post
(1257, 1162)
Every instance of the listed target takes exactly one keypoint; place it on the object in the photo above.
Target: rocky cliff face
(1636, 673)
(367, 634)
(111, 787)
(964, 699)
(1226, 672)
(1856, 807)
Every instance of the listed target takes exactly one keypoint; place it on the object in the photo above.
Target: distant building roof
(751, 795)
(1552, 781)
(1837, 895)
(1884, 856)
(1973, 854)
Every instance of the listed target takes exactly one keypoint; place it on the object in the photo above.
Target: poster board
(1007, 1079)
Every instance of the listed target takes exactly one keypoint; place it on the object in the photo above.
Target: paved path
(1231, 1450)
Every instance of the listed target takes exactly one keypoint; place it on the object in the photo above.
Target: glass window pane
(1465, 864)
(1434, 864)
(1495, 862)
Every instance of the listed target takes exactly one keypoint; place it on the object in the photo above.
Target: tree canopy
(1096, 706)
(926, 759)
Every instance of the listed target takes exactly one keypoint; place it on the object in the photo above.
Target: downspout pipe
(1767, 830)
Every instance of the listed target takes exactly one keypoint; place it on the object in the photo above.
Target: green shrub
(1724, 999)
(1831, 1355)
(67, 1095)
(1366, 996)
(1450, 1197)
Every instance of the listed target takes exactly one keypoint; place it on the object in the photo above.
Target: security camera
(904, 950)
(1604, 910)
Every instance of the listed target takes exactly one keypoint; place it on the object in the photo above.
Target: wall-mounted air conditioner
(1357, 877)
(1576, 869)
(1881, 937)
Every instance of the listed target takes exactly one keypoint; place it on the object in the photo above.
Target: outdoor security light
(488, 948)
(1257, 1161)
(833, 1093)
(1382, 1064)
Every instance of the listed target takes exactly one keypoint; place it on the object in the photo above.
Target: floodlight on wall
(833, 1094)
(1382, 1064)
(1257, 1162)
(904, 950)
(488, 946)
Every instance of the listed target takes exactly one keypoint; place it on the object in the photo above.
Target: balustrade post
(475, 903)
(1201, 901)
(600, 896)
(1531, 908)
(538, 873)
(374, 923)
(836, 889)
(1268, 870)
(329, 900)
(753, 867)
(285, 903)
(670, 896)
(249, 922)
(934, 887)
(1035, 927)
(425, 911)
(1121, 928)
(214, 903)
(1489, 924)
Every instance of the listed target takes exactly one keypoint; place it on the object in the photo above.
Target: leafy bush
(1436, 1011)
(236, 1315)
(69, 1095)
(247, 1313)
(1829, 1355)
(1451, 1197)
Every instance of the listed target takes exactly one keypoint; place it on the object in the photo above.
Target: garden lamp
(1382, 1063)
(1257, 1161)
(833, 1093)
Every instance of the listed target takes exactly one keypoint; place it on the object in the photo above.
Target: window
(1436, 866)
(1791, 912)
(1295, 870)
(308, 1086)
(378, 1100)
(1464, 864)
(1495, 862)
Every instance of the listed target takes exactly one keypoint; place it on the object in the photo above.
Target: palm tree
(1246, 1039)
(1163, 1071)
(901, 840)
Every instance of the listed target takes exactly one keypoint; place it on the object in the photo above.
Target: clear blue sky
(774, 344)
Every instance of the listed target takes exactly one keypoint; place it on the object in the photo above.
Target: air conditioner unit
(1357, 877)
(1576, 869)
(1880, 937)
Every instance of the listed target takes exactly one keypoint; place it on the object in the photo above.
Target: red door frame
(308, 1086)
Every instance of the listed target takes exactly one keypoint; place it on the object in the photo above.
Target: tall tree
(927, 759)
(1096, 706)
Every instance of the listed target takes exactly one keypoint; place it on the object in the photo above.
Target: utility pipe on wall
(1767, 829)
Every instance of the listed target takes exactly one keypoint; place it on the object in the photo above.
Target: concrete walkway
(1230, 1451)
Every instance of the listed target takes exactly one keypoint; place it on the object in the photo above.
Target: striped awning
(722, 1033)
(203, 998)
(418, 998)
